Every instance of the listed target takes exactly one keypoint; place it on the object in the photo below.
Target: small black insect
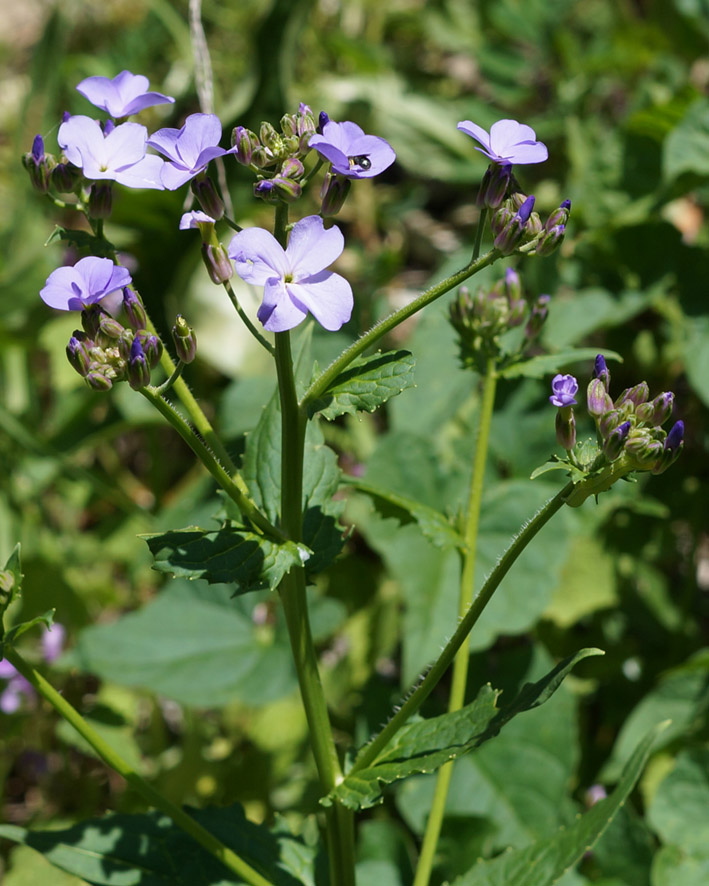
(363, 162)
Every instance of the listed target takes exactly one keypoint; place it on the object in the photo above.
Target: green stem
(166, 385)
(232, 224)
(325, 379)
(465, 600)
(371, 751)
(184, 821)
(247, 322)
(479, 233)
(235, 487)
(340, 830)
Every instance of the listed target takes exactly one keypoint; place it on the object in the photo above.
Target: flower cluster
(629, 432)
(481, 319)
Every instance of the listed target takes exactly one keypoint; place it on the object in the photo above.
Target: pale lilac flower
(190, 149)
(507, 142)
(87, 282)
(53, 642)
(564, 388)
(350, 151)
(194, 219)
(117, 154)
(17, 686)
(295, 280)
(125, 94)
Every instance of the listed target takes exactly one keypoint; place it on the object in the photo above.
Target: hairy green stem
(325, 379)
(479, 233)
(234, 487)
(247, 322)
(371, 751)
(465, 599)
(184, 821)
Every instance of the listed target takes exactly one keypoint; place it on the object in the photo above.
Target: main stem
(370, 752)
(465, 599)
(339, 820)
(184, 821)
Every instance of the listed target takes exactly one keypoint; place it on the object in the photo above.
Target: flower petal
(146, 173)
(477, 132)
(534, 152)
(336, 156)
(258, 256)
(327, 296)
(278, 312)
(165, 140)
(82, 140)
(311, 248)
(199, 132)
(125, 145)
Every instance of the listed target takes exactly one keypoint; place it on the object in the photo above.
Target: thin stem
(465, 599)
(232, 224)
(184, 821)
(325, 379)
(166, 385)
(247, 322)
(479, 233)
(371, 751)
(235, 487)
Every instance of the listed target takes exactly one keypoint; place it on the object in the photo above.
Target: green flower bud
(185, 340)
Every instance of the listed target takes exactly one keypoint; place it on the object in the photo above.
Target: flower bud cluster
(631, 425)
(515, 223)
(281, 152)
(482, 318)
(105, 351)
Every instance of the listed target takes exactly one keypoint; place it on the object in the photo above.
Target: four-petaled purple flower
(564, 388)
(87, 282)
(117, 154)
(295, 280)
(351, 152)
(507, 142)
(190, 149)
(122, 96)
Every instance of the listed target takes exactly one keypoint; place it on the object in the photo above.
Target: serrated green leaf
(426, 745)
(149, 850)
(545, 364)
(237, 556)
(544, 862)
(366, 384)
(434, 525)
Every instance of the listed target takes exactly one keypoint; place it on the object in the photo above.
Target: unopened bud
(109, 326)
(674, 443)
(292, 168)
(559, 217)
(134, 309)
(636, 395)
(644, 449)
(615, 441)
(550, 240)
(608, 422)
(333, 193)
(150, 345)
(138, 368)
(286, 189)
(494, 185)
(185, 340)
(598, 400)
(66, 178)
(600, 370)
(77, 352)
(209, 199)
(513, 285)
(100, 200)
(566, 428)
(90, 319)
(245, 142)
(511, 235)
(537, 319)
(217, 262)
(98, 381)
(657, 411)
(39, 165)
(270, 138)
(323, 120)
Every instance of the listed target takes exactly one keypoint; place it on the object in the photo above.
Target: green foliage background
(197, 688)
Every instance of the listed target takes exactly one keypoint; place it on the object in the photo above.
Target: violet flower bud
(494, 185)
(38, 165)
(138, 368)
(550, 240)
(537, 319)
(566, 428)
(265, 189)
(185, 340)
(209, 199)
(150, 345)
(134, 309)
(600, 370)
(598, 400)
(333, 193)
(643, 448)
(100, 200)
(636, 395)
(270, 139)
(286, 189)
(77, 352)
(608, 422)
(109, 326)
(559, 217)
(90, 319)
(615, 441)
(98, 381)
(511, 235)
(217, 262)
(246, 142)
(513, 285)
(292, 168)
(675, 437)
(66, 178)
(657, 411)
(323, 120)
(289, 125)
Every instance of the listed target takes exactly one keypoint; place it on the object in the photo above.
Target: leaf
(149, 850)
(434, 525)
(426, 745)
(686, 148)
(237, 556)
(544, 862)
(678, 812)
(10, 584)
(366, 384)
(545, 364)
(16, 631)
(194, 644)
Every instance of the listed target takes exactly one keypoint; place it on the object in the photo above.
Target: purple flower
(507, 142)
(350, 151)
(117, 154)
(87, 282)
(295, 280)
(17, 686)
(53, 642)
(190, 149)
(564, 388)
(124, 95)
(194, 219)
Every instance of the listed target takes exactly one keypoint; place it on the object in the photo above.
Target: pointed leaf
(237, 556)
(426, 745)
(366, 384)
(544, 862)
